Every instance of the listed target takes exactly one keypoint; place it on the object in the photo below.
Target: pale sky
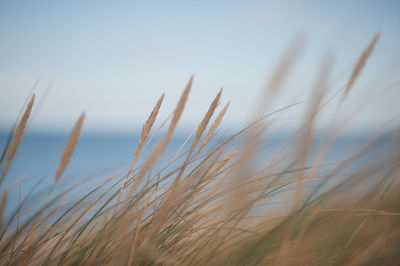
(113, 59)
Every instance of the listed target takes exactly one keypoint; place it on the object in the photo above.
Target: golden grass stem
(145, 132)
(178, 110)
(69, 148)
(205, 121)
(17, 137)
(161, 146)
(212, 129)
(360, 64)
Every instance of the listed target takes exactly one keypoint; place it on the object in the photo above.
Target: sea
(97, 157)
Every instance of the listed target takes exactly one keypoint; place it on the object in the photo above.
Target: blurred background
(113, 59)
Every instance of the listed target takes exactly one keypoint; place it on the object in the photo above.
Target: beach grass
(219, 200)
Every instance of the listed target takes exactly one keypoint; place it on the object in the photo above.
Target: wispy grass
(69, 148)
(219, 202)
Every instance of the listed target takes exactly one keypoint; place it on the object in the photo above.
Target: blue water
(37, 158)
(100, 156)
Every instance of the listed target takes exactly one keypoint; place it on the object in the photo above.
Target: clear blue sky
(112, 59)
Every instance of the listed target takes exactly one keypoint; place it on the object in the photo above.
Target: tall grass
(219, 203)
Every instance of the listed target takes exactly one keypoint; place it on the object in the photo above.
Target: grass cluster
(218, 203)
